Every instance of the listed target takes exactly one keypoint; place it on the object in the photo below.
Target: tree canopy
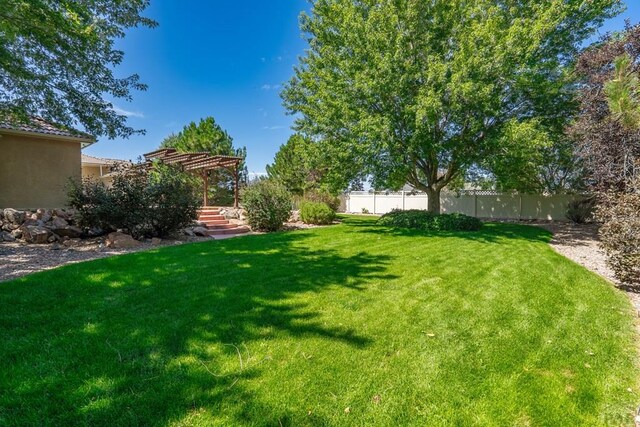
(420, 92)
(295, 165)
(606, 131)
(57, 61)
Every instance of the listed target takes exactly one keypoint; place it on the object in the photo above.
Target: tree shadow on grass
(491, 232)
(147, 338)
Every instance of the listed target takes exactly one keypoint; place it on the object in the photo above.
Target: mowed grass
(353, 324)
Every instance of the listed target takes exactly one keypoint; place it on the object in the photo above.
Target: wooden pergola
(200, 163)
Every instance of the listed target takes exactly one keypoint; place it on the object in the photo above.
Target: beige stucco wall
(34, 171)
(90, 171)
(93, 172)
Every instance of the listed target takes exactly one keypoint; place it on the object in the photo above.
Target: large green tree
(57, 60)
(296, 165)
(209, 136)
(420, 91)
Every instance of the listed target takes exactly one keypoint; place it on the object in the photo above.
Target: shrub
(619, 234)
(318, 213)
(321, 196)
(581, 211)
(153, 204)
(268, 205)
(428, 221)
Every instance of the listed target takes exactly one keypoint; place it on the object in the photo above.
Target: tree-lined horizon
(422, 92)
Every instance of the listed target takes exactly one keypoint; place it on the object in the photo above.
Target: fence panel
(481, 204)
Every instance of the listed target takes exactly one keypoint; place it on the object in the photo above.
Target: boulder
(200, 231)
(32, 222)
(43, 215)
(7, 237)
(14, 216)
(17, 233)
(295, 216)
(95, 232)
(189, 232)
(60, 213)
(156, 241)
(58, 223)
(121, 241)
(69, 231)
(36, 234)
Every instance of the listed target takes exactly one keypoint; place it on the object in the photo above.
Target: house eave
(83, 141)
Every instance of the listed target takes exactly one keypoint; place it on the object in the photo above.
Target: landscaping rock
(200, 231)
(295, 216)
(32, 222)
(36, 234)
(58, 223)
(156, 241)
(44, 215)
(7, 237)
(61, 214)
(17, 233)
(69, 231)
(119, 240)
(189, 232)
(14, 216)
(95, 232)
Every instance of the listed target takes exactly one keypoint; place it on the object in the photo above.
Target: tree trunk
(433, 200)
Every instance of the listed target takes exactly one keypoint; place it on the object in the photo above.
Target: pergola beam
(201, 162)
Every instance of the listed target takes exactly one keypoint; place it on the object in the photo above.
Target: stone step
(221, 226)
(211, 218)
(214, 221)
(225, 231)
(208, 213)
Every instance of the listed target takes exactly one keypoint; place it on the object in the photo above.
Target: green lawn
(353, 324)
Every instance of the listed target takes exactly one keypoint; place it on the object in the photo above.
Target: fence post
(403, 208)
(520, 212)
(475, 204)
(374, 202)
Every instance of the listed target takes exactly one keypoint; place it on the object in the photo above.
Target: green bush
(268, 205)
(318, 213)
(144, 204)
(428, 221)
(581, 211)
(320, 196)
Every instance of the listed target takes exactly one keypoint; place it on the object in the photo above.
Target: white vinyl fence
(481, 204)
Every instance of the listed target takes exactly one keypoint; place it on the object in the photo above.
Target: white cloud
(270, 87)
(127, 113)
(273, 127)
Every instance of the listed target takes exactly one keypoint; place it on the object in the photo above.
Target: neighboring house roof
(90, 160)
(38, 126)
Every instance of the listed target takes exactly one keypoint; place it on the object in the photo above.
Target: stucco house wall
(34, 170)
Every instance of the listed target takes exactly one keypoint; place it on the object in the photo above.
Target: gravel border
(581, 244)
(18, 259)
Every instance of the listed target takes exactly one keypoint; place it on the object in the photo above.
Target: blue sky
(222, 59)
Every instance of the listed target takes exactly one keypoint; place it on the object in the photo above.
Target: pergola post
(205, 179)
(235, 188)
